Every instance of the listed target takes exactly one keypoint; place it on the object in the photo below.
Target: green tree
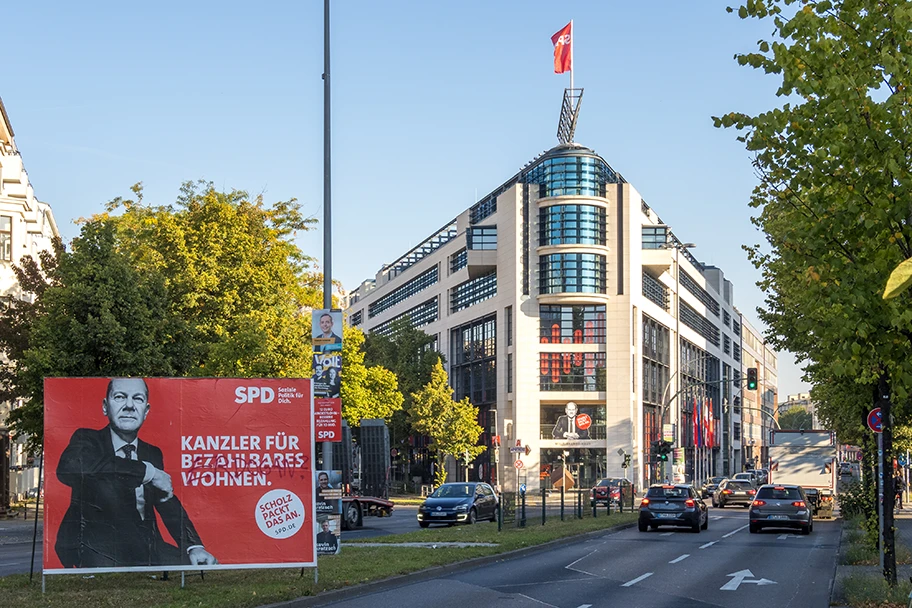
(93, 314)
(452, 425)
(796, 418)
(833, 192)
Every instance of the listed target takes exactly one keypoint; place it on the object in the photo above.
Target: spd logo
(249, 394)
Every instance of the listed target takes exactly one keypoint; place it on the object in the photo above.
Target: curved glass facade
(572, 273)
(572, 176)
(572, 225)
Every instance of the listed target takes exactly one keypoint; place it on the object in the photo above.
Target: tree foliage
(833, 163)
(452, 425)
(796, 418)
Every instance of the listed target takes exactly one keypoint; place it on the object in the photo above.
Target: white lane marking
(739, 578)
(637, 580)
(584, 606)
(708, 544)
(784, 536)
(715, 517)
(735, 531)
(666, 534)
(535, 600)
(679, 559)
(570, 565)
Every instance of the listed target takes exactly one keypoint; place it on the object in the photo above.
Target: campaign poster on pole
(152, 474)
(329, 512)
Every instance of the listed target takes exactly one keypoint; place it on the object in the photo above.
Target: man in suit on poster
(118, 486)
(566, 428)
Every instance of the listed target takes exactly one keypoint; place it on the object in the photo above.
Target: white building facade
(562, 285)
(27, 227)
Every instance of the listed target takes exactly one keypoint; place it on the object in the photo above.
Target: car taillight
(799, 503)
(751, 492)
(690, 502)
(726, 491)
(645, 502)
(758, 503)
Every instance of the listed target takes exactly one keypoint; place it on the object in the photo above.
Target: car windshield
(716, 480)
(609, 482)
(740, 485)
(453, 490)
(777, 493)
(668, 492)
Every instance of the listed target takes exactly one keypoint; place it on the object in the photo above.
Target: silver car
(784, 506)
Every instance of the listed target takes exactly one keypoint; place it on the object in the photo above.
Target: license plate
(438, 514)
(778, 517)
(667, 515)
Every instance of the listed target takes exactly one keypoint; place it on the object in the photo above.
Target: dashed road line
(735, 531)
(679, 559)
(666, 533)
(708, 544)
(637, 580)
(715, 517)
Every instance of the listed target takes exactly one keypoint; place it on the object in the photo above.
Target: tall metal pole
(327, 194)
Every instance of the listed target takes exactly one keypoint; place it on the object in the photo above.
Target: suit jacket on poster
(102, 526)
(563, 426)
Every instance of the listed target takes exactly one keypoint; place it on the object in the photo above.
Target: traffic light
(751, 378)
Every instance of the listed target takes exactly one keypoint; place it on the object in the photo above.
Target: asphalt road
(404, 519)
(722, 566)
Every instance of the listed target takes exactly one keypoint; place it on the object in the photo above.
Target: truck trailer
(806, 458)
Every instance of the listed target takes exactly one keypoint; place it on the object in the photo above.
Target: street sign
(875, 420)
(739, 579)
(517, 450)
(518, 464)
(668, 432)
(522, 487)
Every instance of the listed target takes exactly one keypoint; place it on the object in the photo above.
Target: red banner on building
(150, 475)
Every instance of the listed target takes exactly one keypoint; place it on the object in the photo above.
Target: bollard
(522, 519)
(579, 505)
(620, 501)
(500, 514)
(608, 507)
(543, 506)
(594, 509)
(562, 502)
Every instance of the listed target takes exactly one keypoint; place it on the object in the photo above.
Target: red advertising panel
(328, 419)
(178, 474)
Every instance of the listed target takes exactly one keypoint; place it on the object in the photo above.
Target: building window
(6, 238)
(655, 291)
(572, 324)
(419, 283)
(473, 369)
(572, 273)
(509, 372)
(482, 209)
(572, 176)
(697, 322)
(472, 292)
(736, 431)
(572, 225)
(572, 371)
(508, 313)
(656, 360)
(654, 237)
(701, 294)
(726, 318)
(355, 319)
(458, 260)
(481, 238)
(726, 344)
(419, 316)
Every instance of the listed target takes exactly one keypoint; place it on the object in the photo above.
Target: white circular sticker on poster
(280, 514)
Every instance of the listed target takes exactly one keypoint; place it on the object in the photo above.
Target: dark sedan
(458, 503)
(673, 505)
(733, 492)
(710, 485)
(781, 507)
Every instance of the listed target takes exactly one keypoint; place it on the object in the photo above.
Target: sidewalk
(903, 524)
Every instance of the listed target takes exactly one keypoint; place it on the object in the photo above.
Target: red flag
(563, 50)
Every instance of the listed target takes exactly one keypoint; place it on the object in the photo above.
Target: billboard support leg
(37, 503)
(183, 579)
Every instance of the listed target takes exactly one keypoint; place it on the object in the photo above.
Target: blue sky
(434, 105)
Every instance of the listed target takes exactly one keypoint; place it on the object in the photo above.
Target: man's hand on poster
(569, 435)
(200, 557)
(162, 481)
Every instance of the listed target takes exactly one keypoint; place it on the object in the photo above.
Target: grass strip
(872, 591)
(249, 588)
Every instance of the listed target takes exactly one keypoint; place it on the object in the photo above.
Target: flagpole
(572, 58)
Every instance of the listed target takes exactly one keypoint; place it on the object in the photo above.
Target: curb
(344, 593)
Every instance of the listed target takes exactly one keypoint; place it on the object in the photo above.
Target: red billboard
(178, 474)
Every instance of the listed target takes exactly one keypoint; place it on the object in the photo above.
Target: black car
(783, 506)
(673, 505)
(733, 492)
(710, 485)
(458, 503)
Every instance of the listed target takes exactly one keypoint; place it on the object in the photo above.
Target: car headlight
(462, 508)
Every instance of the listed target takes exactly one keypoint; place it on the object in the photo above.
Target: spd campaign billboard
(178, 474)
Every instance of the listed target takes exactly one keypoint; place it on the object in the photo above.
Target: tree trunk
(886, 463)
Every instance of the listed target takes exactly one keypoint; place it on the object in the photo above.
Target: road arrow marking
(679, 559)
(739, 577)
(637, 580)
